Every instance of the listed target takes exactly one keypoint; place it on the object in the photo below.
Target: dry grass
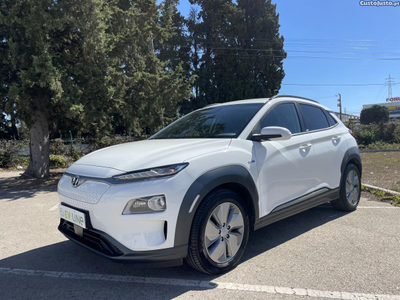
(382, 169)
(17, 183)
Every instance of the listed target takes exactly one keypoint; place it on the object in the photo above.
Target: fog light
(157, 203)
(145, 205)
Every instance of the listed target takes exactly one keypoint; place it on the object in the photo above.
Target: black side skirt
(298, 205)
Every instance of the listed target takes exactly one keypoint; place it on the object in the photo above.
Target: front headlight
(153, 172)
(143, 205)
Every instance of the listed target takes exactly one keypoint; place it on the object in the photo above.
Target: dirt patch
(382, 169)
(17, 183)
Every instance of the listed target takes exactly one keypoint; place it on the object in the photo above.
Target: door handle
(304, 147)
(336, 137)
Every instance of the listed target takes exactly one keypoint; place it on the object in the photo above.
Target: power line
(302, 56)
(338, 84)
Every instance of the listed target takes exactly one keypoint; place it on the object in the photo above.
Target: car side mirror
(274, 133)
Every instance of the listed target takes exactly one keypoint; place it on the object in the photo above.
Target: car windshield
(226, 121)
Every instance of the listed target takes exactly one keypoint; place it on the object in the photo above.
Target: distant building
(394, 109)
(348, 118)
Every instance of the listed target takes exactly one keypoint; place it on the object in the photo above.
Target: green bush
(5, 158)
(16, 161)
(365, 137)
(10, 161)
(57, 147)
(380, 145)
(74, 153)
(12, 146)
(57, 161)
(388, 133)
(396, 135)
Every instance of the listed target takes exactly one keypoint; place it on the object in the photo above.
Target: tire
(348, 201)
(206, 229)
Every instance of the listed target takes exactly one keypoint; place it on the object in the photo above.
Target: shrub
(12, 146)
(380, 145)
(57, 147)
(365, 137)
(57, 161)
(5, 158)
(74, 153)
(396, 135)
(16, 161)
(367, 134)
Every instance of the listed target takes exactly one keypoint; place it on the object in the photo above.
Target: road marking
(54, 207)
(201, 284)
(385, 207)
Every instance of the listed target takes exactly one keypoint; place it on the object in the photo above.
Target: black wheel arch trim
(231, 174)
(352, 153)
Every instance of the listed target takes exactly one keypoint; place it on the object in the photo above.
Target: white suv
(197, 188)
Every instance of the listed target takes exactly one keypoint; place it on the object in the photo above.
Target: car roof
(246, 101)
(265, 100)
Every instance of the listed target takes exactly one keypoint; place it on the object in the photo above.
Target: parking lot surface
(318, 254)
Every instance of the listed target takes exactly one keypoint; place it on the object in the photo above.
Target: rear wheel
(350, 190)
(219, 233)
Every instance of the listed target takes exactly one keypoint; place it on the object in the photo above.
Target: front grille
(88, 192)
(91, 239)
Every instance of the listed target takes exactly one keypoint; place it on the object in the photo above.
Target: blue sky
(349, 33)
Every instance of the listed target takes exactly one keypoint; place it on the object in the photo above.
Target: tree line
(102, 67)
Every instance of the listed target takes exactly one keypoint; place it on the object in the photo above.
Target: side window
(314, 118)
(331, 120)
(283, 115)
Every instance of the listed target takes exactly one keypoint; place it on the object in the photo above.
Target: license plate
(73, 216)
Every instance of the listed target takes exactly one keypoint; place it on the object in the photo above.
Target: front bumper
(104, 202)
(106, 246)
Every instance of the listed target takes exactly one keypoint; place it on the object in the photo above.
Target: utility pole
(340, 106)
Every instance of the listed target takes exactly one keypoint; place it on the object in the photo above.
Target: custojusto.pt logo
(380, 3)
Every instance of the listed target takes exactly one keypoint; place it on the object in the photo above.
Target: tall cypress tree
(241, 50)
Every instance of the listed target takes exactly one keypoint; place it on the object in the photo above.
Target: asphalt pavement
(318, 254)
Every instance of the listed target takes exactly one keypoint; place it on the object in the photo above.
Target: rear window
(314, 118)
(331, 120)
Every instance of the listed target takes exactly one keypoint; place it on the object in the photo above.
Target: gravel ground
(382, 169)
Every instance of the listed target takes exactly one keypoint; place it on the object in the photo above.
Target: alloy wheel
(352, 187)
(224, 232)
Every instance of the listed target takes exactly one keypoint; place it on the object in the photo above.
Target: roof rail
(291, 96)
(209, 105)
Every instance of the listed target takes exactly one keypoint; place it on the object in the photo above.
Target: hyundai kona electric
(197, 189)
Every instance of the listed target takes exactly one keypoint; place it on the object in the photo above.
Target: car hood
(150, 153)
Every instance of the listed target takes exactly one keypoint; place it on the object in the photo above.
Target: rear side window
(314, 118)
(283, 115)
(331, 120)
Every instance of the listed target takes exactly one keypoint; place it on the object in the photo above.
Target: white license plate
(73, 216)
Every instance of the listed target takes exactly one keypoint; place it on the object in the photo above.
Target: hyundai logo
(75, 181)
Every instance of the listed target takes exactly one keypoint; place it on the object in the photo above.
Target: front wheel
(350, 190)
(219, 233)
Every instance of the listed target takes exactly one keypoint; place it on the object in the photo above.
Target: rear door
(328, 144)
(286, 168)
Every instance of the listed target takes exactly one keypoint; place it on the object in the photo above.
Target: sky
(338, 42)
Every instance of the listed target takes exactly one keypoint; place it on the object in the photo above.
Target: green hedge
(57, 161)
(388, 133)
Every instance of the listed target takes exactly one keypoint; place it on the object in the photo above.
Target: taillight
(351, 132)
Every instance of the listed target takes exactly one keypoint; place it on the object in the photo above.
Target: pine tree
(83, 62)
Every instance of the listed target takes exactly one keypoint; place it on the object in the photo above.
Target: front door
(286, 168)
